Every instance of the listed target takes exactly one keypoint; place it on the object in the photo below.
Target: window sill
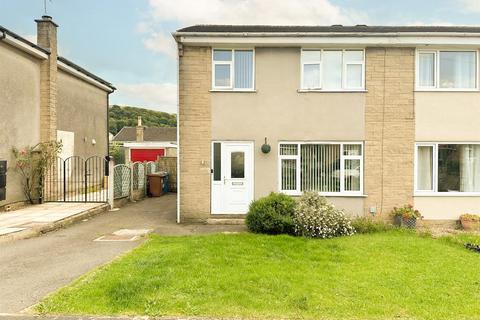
(446, 90)
(330, 195)
(331, 91)
(234, 90)
(447, 194)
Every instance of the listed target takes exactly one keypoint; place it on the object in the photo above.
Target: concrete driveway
(32, 268)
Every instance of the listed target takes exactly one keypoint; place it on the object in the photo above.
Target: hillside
(121, 116)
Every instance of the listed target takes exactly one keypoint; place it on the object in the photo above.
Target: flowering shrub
(31, 164)
(470, 217)
(406, 212)
(315, 217)
(272, 214)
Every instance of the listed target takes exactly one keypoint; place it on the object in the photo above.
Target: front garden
(387, 275)
(361, 269)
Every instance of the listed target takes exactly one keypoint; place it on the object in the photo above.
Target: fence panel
(138, 176)
(169, 165)
(121, 181)
(150, 167)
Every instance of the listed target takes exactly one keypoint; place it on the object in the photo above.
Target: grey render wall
(447, 117)
(82, 109)
(279, 112)
(19, 110)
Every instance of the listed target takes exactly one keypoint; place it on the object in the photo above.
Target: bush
(316, 218)
(406, 212)
(470, 217)
(368, 225)
(272, 214)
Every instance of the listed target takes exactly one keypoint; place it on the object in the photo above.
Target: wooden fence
(169, 164)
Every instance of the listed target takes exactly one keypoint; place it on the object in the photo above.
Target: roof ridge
(59, 58)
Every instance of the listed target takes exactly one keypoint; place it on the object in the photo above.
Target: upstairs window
(232, 69)
(332, 70)
(454, 70)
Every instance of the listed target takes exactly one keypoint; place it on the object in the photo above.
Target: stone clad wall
(195, 132)
(390, 128)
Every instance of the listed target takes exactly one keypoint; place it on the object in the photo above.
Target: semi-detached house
(371, 117)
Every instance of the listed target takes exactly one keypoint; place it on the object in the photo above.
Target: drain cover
(125, 235)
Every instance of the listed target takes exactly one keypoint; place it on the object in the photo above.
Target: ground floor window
(447, 167)
(329, 168)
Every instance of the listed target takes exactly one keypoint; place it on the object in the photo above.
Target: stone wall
(195, 132)
(390, 128)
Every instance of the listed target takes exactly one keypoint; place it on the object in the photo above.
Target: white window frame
(436, 78)
(344, 69)
(434, 191)
(343, 157)
(231, 63)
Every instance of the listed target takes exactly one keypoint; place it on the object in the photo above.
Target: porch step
(228, 221)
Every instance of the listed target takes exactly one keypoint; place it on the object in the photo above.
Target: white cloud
(305, 12)
(470, 5)
(286, 12)
(161, 43)
(156, 96)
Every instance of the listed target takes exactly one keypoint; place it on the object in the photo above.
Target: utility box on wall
(3, 179)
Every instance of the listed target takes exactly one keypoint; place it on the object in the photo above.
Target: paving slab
(35, 219)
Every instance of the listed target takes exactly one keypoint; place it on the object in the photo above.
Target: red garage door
(146, 154)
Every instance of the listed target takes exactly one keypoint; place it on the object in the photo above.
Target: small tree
(32, 164)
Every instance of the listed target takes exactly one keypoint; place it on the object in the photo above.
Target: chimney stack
(140, 129)
(47, 39)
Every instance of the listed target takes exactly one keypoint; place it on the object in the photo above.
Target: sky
(129, 42)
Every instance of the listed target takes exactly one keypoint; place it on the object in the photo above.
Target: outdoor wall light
(266, 147)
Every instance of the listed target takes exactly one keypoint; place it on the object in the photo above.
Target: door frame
(250, 143)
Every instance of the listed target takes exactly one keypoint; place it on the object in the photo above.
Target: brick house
(46, 97)
(371, 117)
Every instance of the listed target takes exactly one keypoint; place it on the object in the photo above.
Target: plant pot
(470, 225)
(405, 222)
(397, 221)
(409, 222)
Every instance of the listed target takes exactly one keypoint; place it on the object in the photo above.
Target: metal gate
(76, 179)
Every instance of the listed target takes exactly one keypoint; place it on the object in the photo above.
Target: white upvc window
(447, 168)
(333, 70)
(233, 69)
(447, 70)
(330, 168)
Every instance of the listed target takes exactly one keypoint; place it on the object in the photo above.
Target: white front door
(232, 177)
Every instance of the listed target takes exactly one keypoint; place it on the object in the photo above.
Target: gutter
(64, 67)
(24, 46)
(324, 34)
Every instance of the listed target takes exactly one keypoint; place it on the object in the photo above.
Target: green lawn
(377, 276)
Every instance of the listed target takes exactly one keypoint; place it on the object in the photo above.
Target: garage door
(146, 154)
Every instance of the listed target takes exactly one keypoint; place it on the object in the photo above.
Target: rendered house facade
(370, 117)
(45, 97)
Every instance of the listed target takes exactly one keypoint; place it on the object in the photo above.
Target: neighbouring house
(46, 97)
(372, 117)
(143, 143)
